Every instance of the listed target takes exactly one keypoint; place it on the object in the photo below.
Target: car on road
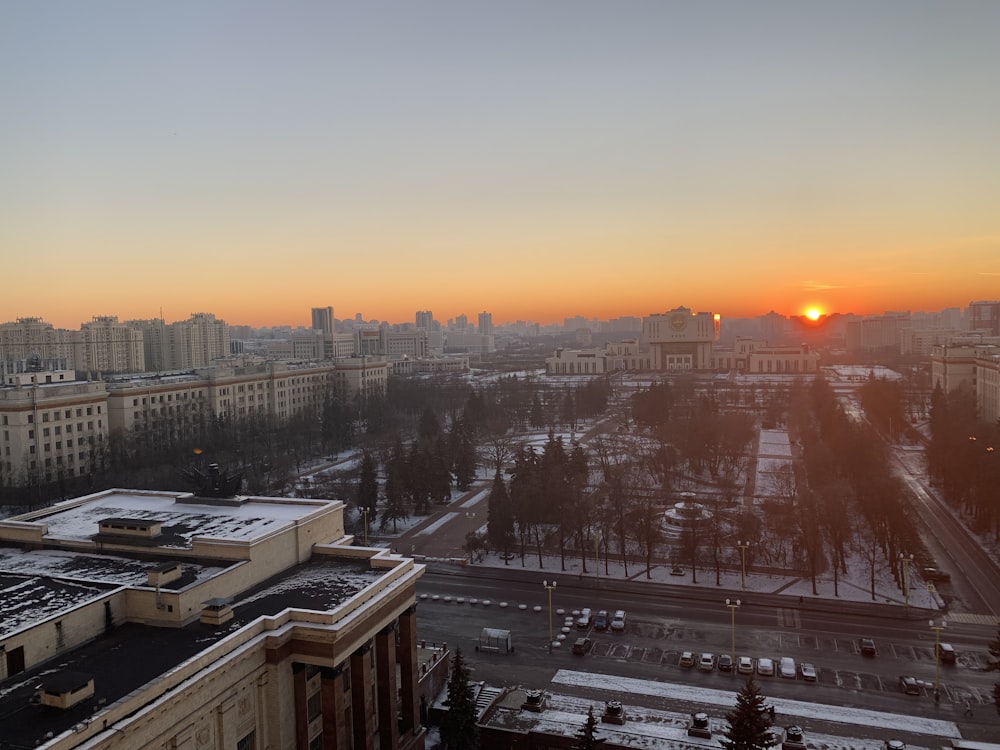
(725, 663)
(786, 667)
(706, 662)
(618, 621)
(765, 666)
(936, 575)
(745, 665)
(583, 621)
(601, 621)
(687, 659)
(808, 672)
(582, 646)
(909, 685)
(867, 647)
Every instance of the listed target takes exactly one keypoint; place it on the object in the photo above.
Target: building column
(336, 702)
(409, 676)
(301, 711)
(386, 688)
(364, 716)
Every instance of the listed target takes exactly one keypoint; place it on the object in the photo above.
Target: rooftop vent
(699, 726)
(614, 713)
(216, 612)
(533, 701)
(163, 574)
(146, 528)
(64, 690)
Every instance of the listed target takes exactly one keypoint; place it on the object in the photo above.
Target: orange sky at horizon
(779, 156)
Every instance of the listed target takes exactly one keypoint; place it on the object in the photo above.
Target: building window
(313, 707)
(247, 743)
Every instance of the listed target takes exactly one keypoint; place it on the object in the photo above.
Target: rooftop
(128, 657)
(182, 516)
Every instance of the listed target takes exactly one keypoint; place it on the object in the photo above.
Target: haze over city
(536, 160)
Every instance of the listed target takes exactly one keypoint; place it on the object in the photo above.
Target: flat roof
(38, 584)
(181, 515)
(132, 655)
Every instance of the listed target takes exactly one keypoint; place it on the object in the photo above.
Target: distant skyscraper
(425, 319)
(486, 324)
(322, 319)
(984, 316)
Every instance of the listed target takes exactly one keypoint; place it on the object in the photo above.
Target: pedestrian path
(968, 618)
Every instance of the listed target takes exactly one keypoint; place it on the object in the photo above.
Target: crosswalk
(968, 618)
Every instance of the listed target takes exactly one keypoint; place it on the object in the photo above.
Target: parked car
(706, 663)
(786, 667)
(808, 672)
(582, 646)
(867, 647)
(583, 621)
(618, 621)
(946, 653)
(745, 665)
(909, 685)
(677, 570)
(687, 659)
(765, 667)
(725, 663)
(601, 621)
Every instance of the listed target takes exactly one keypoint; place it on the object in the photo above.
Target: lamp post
(364, 512)
(550, 586)
(733, 604)
(744, 546)
(468, 539)
(937, 656)
(906, 561)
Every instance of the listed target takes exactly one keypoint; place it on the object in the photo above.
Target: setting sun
(813, 314)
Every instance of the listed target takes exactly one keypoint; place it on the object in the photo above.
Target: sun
(813, 314)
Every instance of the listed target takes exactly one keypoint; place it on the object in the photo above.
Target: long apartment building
(51, 426)
(106, 346)
(55, 426)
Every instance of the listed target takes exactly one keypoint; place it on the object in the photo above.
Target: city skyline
(538, 161)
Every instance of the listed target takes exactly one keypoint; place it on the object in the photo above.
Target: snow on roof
(620, 686)
(253, 518)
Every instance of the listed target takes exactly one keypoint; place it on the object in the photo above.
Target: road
(661, 625)
(975, 578)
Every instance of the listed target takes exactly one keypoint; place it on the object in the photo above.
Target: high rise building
(486, 324)
(107, 346)
(322, 319)
(984, 317)
(425, 319)
(33, 336)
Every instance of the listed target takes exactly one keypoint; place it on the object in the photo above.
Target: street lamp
(550, 587)
(733, 604)
(364, 512)
(744, 546)
(906, 561)
(468, 539)
(937, 656)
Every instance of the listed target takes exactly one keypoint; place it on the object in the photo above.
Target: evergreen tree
(395, 488)
(368, 484)
(749, 722)
(500, 522)
(464, 452)
(586, 738)
(458, 727)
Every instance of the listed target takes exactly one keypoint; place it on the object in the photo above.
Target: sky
(536, 160)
